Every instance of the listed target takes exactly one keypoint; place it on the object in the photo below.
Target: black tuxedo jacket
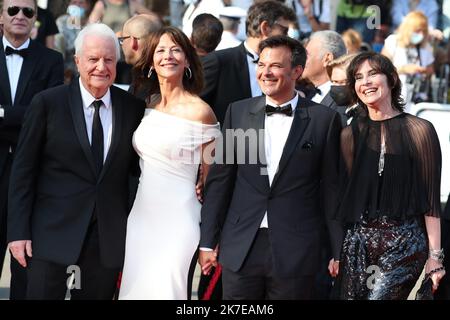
(238, 195)
(42, 68)
(226, 79)
(54, 188)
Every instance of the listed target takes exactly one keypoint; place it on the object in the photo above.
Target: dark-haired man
(206, 33)
(230, 74)
(266, 216)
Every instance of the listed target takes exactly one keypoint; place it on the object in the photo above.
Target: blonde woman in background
(410, 52)
(352, 40)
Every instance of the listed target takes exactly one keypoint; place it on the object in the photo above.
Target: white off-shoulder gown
(163, 228)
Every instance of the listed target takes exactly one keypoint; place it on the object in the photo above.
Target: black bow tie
(254, 60)
(287, 110)
(317, 90)
(23, 53)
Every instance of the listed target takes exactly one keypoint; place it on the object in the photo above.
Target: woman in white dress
(172, 140)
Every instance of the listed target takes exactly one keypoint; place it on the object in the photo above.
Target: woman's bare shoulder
(198, 110)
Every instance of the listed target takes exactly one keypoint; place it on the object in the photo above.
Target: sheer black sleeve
(428, 161)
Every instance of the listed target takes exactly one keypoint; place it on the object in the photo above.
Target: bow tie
(318, 91)
(254, 60)
(23, 53)
(287, 110)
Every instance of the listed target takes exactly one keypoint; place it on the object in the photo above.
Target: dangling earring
(188, 73)
(150, 72)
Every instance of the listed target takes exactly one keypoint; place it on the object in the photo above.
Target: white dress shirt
(14, 65)
(105, 116)
(324, 89)
(276, 131)
(256, 90)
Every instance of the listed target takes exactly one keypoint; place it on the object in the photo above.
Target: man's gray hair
(97, 29)
(331, 41)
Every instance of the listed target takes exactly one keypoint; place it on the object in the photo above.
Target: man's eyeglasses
(121, 39)
(27, 12)
(284, 29)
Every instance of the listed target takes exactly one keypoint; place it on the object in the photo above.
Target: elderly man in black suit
(266, 215)
(323, 46)
(68, 198)
(230, 74)
(26, 68)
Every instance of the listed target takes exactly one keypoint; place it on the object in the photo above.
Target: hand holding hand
(199, 186)
(207, 260)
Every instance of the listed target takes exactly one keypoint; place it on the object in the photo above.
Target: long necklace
(382, 152)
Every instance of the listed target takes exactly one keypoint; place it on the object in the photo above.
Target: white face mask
(75, 11)
(416, 38)
(293, 33)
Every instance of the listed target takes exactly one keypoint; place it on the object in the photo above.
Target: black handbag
(425, 291)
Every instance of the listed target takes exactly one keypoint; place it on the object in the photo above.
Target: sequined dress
(390, 181)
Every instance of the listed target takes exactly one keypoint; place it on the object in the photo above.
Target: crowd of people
(281, 159)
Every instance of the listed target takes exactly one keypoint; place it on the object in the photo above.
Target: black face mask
(340, 95)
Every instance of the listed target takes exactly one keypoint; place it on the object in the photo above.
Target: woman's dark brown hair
(192, 81)
(382, 65)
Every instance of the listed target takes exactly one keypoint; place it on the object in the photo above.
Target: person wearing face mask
(293, 31)
(337, 72)
(69, 26)
(412, 55)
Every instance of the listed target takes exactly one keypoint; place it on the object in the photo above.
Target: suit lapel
(256, 122)
(76, 108)
(328, 101)
(117, 118)
(299, 124)
(242, 68)
(29, 63)
(5, 86)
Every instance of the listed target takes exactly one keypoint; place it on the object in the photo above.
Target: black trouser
(18, 282)
(256, 279)
(4, 181)
(48, 280)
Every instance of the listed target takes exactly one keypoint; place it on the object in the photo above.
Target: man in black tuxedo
(230, 74)
(323, 47)
(26, 68)
(263, 198)
(68, 199)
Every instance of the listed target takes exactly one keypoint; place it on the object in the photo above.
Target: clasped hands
(208, 259)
